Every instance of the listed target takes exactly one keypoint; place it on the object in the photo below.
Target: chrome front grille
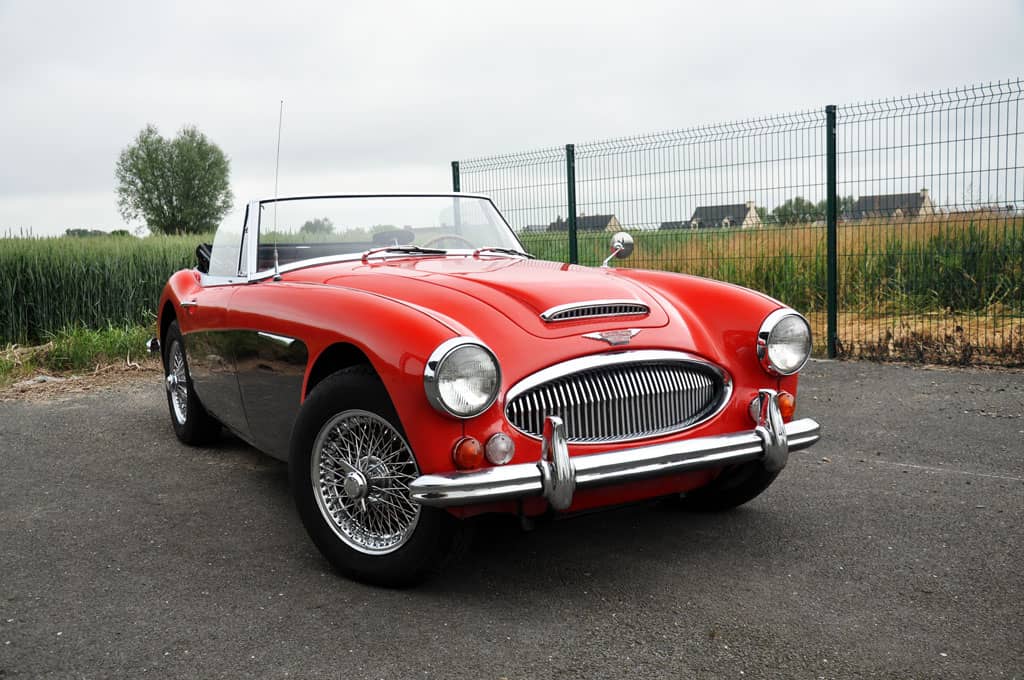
(595, 308)
(619, 397)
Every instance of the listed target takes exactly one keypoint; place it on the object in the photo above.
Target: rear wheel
(729, 490)
(350, 470)
(192, 424)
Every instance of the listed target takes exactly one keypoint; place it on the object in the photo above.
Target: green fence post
(831, 220)
(455, 177)
(570, 183)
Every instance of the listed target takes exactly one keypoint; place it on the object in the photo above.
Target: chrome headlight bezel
(431, 376)
(765, 338)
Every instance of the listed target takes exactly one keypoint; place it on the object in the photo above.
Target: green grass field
(952, 265)
(51, 284)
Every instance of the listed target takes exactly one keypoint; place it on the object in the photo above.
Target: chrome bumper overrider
(557, 475)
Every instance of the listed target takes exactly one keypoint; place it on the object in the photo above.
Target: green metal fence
(896, 226)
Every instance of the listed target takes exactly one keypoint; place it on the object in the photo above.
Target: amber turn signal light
(467, 453)
(787, 405)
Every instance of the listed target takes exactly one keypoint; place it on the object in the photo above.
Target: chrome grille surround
(594, 309)
(620, 396)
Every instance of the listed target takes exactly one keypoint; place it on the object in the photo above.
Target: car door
(270, 363)
(210, 344)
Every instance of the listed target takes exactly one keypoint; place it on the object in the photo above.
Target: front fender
(396, 338)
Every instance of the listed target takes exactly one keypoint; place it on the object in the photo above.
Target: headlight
(784, 342)
(462, 378)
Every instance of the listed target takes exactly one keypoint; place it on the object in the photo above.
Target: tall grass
(49, 284)
(74, 349)
(961, 262)
(968, 262)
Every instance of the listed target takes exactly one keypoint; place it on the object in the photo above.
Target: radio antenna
(277, 169)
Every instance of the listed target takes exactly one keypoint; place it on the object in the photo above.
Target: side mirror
(622, 247)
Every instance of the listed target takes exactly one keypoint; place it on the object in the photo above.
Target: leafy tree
(175, 185)
(797, 209)
(318, 226)
(844, 206)
(84, 233)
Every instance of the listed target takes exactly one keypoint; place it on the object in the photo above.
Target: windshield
(309, 228)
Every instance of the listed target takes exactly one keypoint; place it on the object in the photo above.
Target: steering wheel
(448, 237)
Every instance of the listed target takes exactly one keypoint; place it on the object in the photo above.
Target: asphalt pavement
(892, 549)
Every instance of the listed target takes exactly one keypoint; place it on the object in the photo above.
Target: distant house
(893, 205)
(533, 228)
(739, 215)
(588, 223)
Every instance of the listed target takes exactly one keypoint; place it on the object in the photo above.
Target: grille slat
(621, 401)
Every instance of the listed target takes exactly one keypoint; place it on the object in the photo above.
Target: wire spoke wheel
(360, 469)
(177, 382)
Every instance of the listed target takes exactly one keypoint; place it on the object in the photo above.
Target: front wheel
(350, 470)
(192, 424)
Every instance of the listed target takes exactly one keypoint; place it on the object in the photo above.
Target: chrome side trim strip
(550, 477)
(591, 309)
(280, 339)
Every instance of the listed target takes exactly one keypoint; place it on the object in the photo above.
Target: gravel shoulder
(892, 549)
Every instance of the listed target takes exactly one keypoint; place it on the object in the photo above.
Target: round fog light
(499, 449)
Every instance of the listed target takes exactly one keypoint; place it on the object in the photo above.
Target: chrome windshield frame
(250, 236)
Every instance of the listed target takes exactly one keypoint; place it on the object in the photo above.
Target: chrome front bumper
(557, 475)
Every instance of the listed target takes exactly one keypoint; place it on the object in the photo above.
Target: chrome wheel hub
(361, 468)
(177, 382)
(355, 485)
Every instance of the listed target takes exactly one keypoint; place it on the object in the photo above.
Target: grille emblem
(621, 337)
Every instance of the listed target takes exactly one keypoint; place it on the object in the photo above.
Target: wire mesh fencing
(927, 226)
(931, 231)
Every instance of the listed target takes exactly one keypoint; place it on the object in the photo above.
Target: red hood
(519, 289)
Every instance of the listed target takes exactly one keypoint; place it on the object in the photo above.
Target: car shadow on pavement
(652, 538)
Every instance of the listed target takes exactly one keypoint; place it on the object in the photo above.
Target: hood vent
(595, 308)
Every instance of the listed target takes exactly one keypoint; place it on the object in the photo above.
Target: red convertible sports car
(416, 367)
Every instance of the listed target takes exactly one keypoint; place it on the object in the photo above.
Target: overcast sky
(382, 96)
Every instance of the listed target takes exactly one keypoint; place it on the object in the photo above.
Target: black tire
(342, 521)
(192, 424)
(729, 490)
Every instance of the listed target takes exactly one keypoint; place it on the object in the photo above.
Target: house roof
(682, 224)
(584, 223)
(716, 214)
(888, 203)
(594, 222)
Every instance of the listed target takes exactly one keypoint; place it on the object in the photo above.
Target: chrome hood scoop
(590, 309)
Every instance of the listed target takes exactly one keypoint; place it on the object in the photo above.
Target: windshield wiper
(506, 251)
(409, 250)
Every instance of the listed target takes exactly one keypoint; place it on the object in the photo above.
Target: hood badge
(621, 337)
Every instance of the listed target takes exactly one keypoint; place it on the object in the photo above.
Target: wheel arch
(167, 315)
(334, 358)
